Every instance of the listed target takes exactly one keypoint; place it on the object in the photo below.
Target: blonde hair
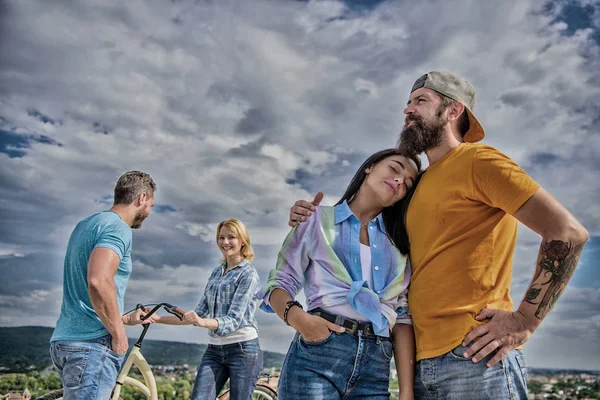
(239, 229)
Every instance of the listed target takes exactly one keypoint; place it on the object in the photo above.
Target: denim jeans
(240, 362)
(341, 366)
(451, 376)
(88, 368)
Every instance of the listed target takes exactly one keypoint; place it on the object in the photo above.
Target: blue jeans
(451, 376)
(240, 362)
(88, 368)
(341, 366)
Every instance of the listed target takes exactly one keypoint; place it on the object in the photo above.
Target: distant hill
(25, 346)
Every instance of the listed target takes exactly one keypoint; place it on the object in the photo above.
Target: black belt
(352, 326)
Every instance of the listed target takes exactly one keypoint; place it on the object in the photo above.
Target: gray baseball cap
(456, 88)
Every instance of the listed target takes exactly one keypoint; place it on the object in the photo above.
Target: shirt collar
(342, 212)
(224, 265)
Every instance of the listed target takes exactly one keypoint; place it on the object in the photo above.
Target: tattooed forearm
(532, 294)
(556, 262)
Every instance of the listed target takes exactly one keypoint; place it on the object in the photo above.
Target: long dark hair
(394, 217)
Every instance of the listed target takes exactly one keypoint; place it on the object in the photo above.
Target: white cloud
(204, 231)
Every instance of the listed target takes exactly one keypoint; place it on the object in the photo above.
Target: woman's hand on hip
(314, 328)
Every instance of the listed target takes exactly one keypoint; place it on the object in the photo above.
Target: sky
(239, 108)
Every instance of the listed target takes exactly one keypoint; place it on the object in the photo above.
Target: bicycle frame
(136, 357)
(149, 388)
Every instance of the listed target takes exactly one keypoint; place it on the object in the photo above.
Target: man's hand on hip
(119, 344)
(504, 332)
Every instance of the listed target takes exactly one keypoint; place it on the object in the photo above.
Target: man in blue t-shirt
(89, 342)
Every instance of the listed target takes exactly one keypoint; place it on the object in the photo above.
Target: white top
(242, 334)
(346, 310)
(365, 263)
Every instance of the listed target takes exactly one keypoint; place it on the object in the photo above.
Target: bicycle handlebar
(178, 312)
(171, 309)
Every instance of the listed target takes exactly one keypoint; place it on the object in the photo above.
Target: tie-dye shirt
(323, 256)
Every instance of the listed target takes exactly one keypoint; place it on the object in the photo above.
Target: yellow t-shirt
(462, 241)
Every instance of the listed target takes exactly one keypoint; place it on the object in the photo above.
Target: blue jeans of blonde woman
(240, 362)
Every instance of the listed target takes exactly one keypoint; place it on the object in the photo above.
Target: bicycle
(263, 390)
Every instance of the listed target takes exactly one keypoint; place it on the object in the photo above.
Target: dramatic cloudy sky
(237, 108)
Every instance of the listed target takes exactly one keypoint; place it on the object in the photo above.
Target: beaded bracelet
(289, 305)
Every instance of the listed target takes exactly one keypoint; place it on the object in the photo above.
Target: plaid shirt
(230, 298)
(323, 256)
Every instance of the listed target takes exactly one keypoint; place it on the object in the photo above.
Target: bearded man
(89, 342)
(462, 227)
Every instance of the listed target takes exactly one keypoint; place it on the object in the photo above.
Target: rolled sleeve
(292, 261)
(403, 315)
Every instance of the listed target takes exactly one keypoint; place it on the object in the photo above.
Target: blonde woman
(227, 309)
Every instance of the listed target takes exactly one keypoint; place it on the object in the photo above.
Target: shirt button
(371, 227)
(374, 246)
(376, 268)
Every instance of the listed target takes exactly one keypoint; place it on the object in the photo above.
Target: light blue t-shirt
(78, 320)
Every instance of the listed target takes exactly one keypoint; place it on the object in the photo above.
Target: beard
(422, 136)
(137, 221)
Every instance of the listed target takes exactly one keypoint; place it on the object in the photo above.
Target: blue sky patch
(577, 17)
(355, 5)
(13, 144)
(363, 5)
(587, 274)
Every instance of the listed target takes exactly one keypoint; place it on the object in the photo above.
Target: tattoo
(557, 262)
(532, 294)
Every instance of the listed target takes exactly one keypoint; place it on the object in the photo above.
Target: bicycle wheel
(55, 395)
(264, 392)
(261, 392)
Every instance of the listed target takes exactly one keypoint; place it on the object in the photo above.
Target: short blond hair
(239, 229)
